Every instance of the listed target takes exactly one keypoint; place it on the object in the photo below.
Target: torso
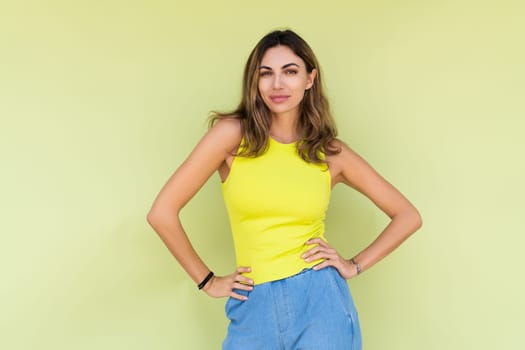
(334, 166)
(275, 202)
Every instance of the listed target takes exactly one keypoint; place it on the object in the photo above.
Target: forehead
(278, 56)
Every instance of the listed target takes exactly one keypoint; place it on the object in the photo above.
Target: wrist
(209, 285)
(357, 266)
(206, 281)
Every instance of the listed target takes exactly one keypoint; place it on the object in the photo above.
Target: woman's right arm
(185, 182)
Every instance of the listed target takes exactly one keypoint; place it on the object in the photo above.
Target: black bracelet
(205, 280)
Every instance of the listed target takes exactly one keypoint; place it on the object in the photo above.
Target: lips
(279, 98)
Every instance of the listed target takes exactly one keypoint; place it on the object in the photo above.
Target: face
(283, 80)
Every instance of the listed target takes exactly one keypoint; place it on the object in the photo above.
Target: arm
(349, 168)
(163, 216)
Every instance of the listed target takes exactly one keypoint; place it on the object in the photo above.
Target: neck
(284, 127)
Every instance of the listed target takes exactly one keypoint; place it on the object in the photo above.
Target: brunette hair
(316, 127)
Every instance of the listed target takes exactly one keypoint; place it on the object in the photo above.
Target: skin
(283, 80)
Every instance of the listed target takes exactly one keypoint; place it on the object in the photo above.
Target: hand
(223, 286)
(323, 250)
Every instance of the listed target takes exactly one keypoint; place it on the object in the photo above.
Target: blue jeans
(312, 310)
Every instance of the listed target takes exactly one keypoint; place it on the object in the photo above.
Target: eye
(265, 73)
(291, 72)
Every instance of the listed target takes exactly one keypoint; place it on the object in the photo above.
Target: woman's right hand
(223, 286)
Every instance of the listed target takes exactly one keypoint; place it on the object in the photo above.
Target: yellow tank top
(275, 202)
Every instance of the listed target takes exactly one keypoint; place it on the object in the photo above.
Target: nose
(277, 81)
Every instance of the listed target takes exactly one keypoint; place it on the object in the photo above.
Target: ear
(311, 79)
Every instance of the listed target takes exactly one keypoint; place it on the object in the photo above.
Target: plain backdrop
(100, 101)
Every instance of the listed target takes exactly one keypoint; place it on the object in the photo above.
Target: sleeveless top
(275, 203)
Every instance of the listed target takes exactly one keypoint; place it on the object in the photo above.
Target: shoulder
(345, 162)
(226, 132)
(342, 149)
(230, 125)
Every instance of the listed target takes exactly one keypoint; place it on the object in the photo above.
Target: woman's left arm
(349, 168)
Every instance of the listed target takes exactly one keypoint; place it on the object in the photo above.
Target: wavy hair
(316, 127)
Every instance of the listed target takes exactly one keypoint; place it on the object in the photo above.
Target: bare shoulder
(345, 164)
(344, 152)
(227, 132)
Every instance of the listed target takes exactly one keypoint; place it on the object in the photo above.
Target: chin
(283, 109)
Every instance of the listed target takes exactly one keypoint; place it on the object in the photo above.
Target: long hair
(316, 127)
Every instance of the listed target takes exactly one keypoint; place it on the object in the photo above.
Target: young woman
(278, 158)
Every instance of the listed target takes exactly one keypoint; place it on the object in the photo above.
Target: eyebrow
(283, 67)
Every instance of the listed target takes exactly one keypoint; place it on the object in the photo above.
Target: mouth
(279, 98)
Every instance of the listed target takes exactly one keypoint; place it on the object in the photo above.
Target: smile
(279, 98)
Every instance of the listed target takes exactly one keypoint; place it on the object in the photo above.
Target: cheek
(263, 93)
(262, 86)
(298, 83)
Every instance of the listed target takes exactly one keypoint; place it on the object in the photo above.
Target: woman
(278, 158)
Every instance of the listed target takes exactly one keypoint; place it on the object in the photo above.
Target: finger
(243, 279)
(242, 286)
(322, 265)
(318, 249)
(329, 255)
(312, 251)
(238, 296)
(242, 269)
(318, 256)
(319, 241)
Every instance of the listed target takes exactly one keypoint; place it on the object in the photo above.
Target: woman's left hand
(331, 257)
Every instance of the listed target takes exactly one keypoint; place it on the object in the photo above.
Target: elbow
(157, 218)
(417, 220)
(161, 216)
(153, 219)
(411, 219)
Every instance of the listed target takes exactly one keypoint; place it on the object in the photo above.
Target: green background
(100, 101)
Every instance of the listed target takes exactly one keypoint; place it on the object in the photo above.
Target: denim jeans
(312, 310)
